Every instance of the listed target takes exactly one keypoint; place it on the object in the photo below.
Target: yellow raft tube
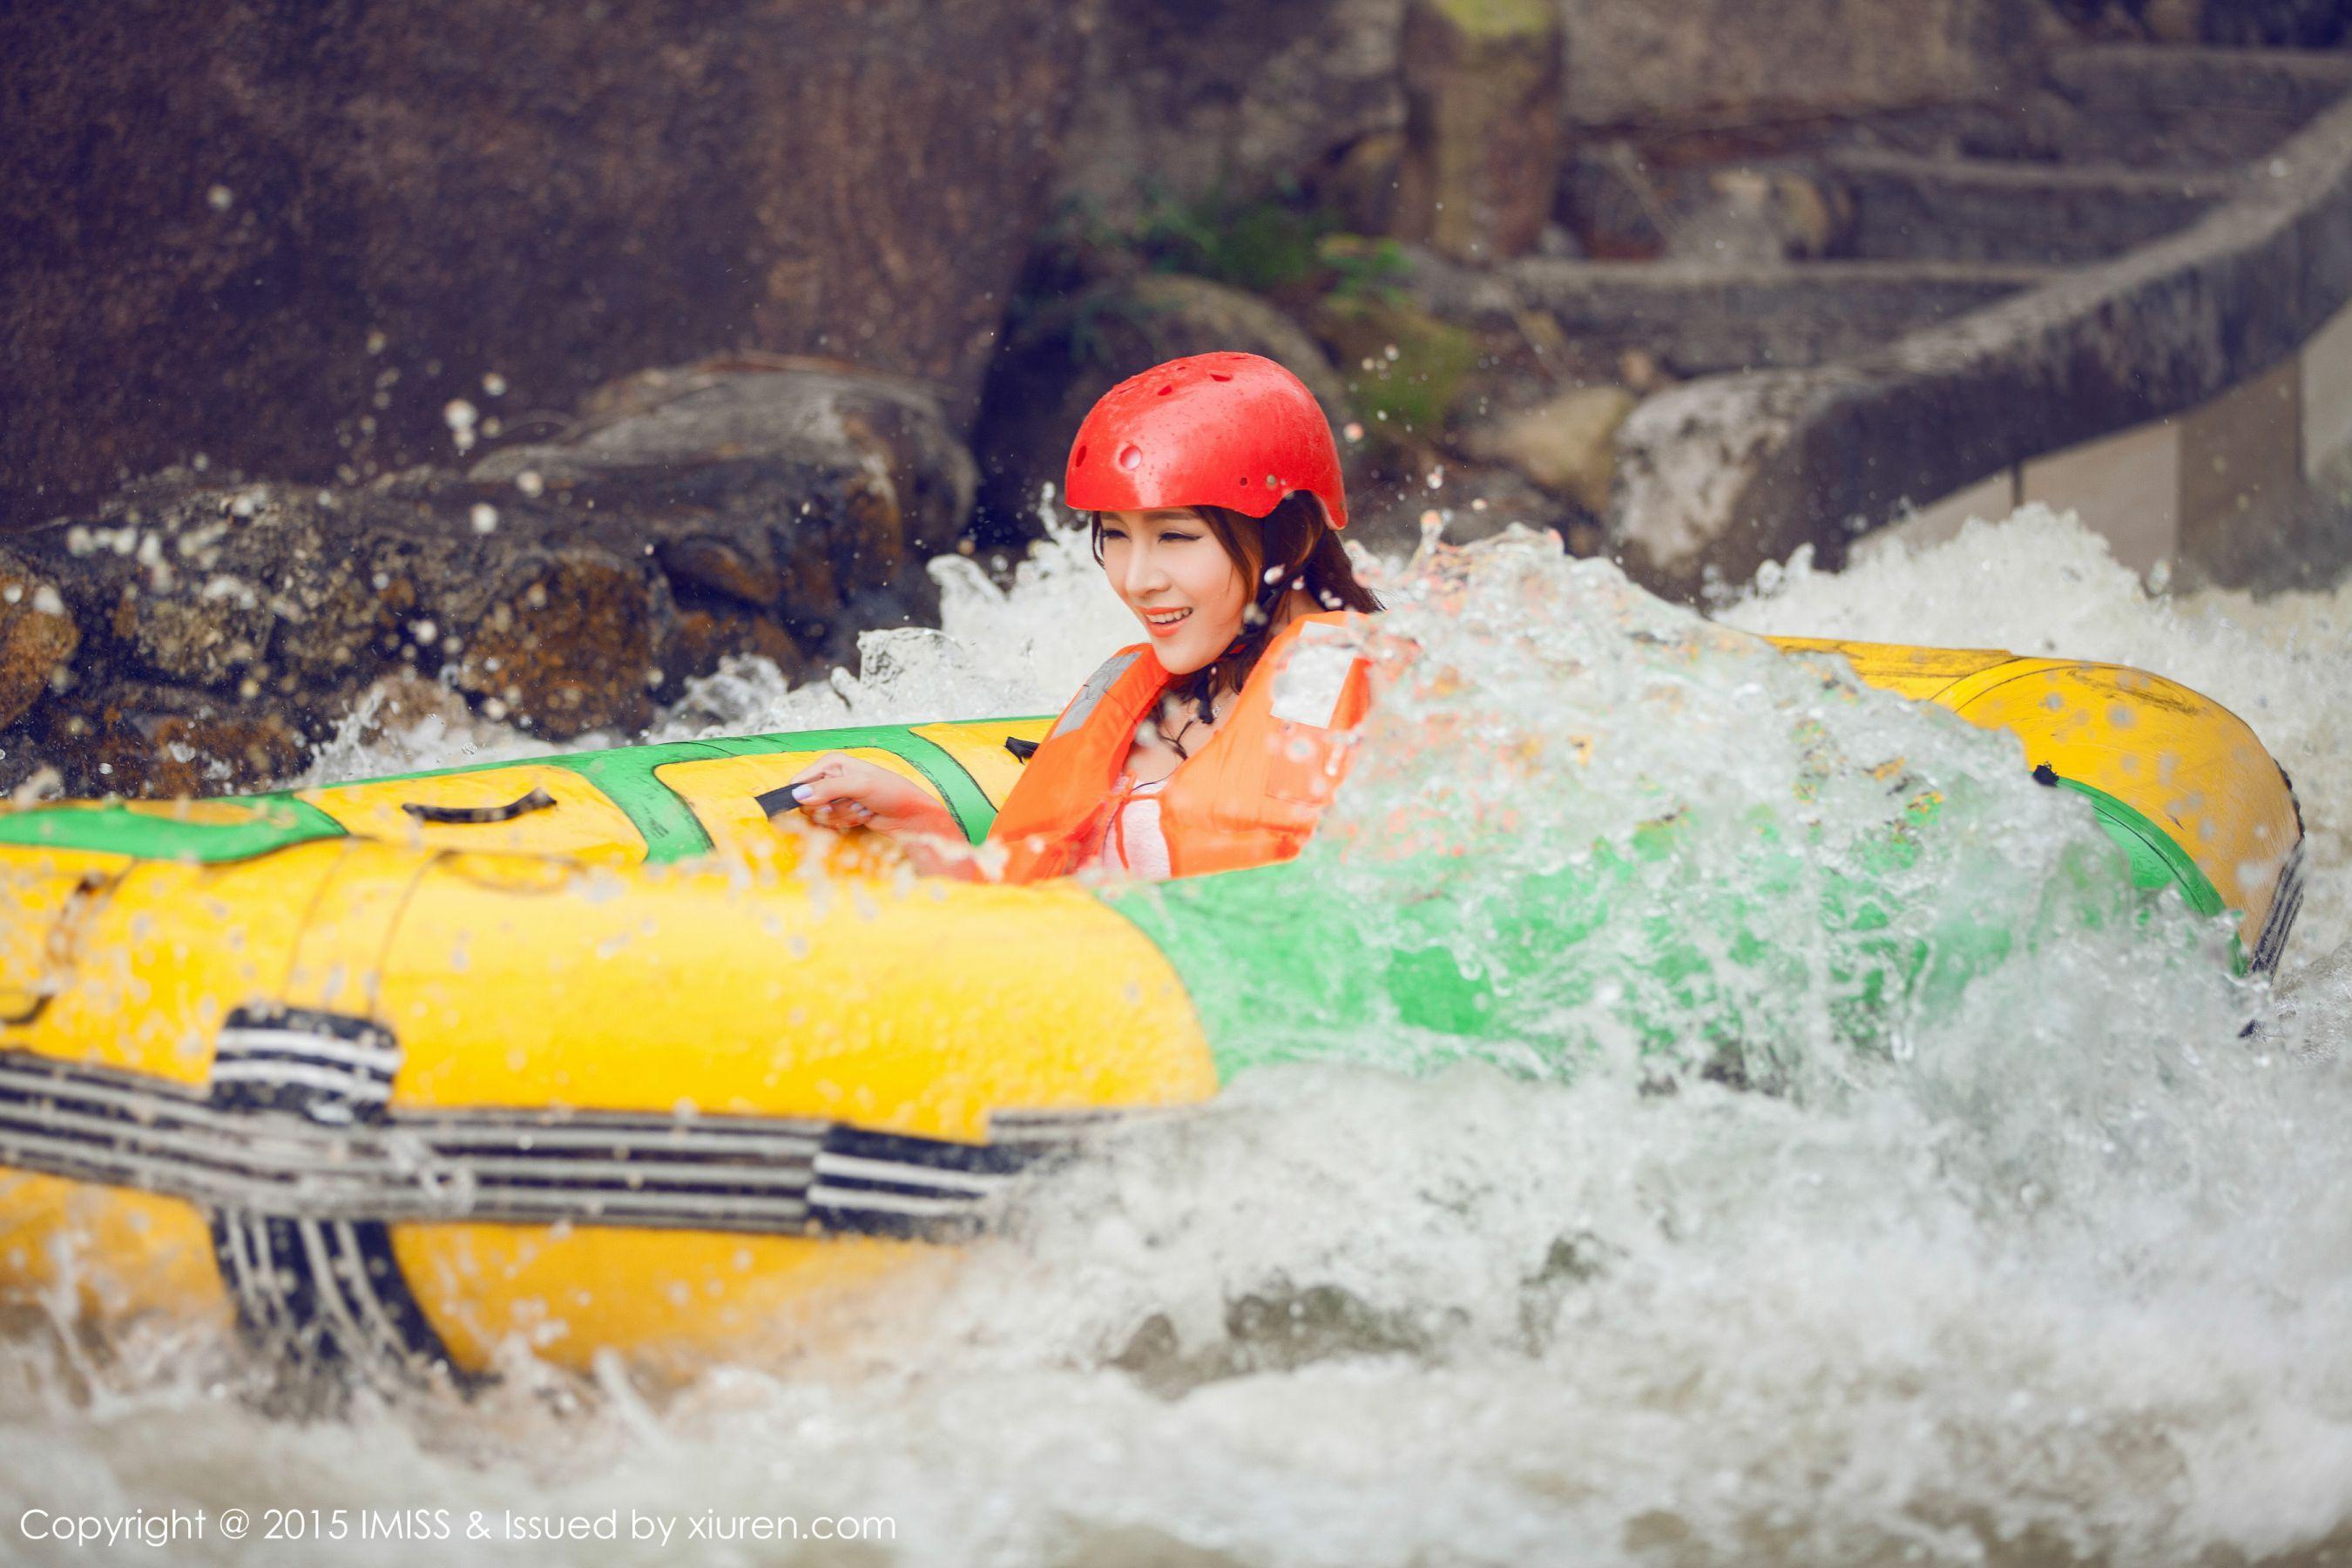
(581, 1051)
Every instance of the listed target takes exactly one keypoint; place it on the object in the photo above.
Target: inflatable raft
(587, 1050)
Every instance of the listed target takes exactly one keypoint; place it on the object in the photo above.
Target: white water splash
(2070, 1282)
(2042, 583)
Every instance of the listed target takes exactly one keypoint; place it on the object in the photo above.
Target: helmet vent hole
(1080, 457)
(1130, 457)
(1166, 390)
(1219, 375)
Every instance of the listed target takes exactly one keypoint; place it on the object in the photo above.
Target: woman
(1217, 503)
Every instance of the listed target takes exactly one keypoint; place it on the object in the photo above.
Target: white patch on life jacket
(1308, 688)
(1091, 694)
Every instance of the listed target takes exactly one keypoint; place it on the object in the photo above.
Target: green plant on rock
(1364, 267)
(1090, 342)
(1268, 245)
(1405, 368)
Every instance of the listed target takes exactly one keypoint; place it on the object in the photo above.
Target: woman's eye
(1113, 533)
(1176, 538)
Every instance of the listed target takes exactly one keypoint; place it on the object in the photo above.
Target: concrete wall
(2244, 487)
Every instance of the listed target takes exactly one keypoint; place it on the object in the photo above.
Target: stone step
(1699, 319)
(2214, 359)
(2298, 83)
(1905, 207)
(2155, 106)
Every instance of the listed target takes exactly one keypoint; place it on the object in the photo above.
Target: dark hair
(1293, 546)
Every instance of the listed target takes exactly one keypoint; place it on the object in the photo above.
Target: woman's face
(1169, 569)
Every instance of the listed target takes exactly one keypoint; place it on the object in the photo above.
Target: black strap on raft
(1022, 749)
(458, 815)
(2045, 776)
(776, 800)
(92, 884)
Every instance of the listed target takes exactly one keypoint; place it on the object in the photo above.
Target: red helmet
(1233, 430)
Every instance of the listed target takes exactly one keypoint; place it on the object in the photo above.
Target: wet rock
(1062, 359)
(1360, 183)
(1707, 61)
(789, 486)
(2261, 24)
(704, 638)
(490, 202)
(1624, 206)
(2171, 21)
(2155, 106)
(1697, 318)
(1906, 207)
(1471, 501)
(192, 582)
(37, 637)
(1566, 444)
(780, 505)
(394, 704)
(1610, 200)
(1558, 243)
(399, 722)
(1758, 217)
(1279, 1327)
(286, 599)
(564, 642)
(721, 567)
(1482, 125)
(140, 739)
(2071, 21)
(1186, 101)
(1406, 368)
(1687, 458)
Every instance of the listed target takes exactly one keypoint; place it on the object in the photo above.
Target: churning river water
(2065, 1275)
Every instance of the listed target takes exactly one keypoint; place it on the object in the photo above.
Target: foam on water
(2062, 1272)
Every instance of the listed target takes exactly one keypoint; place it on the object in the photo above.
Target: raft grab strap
(779, 799)
(1022, 749)
(2285, 904)
(458, 815)
(297, 1123)
(302, 1163)
(25, 1004)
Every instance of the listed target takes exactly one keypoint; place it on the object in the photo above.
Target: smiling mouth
(1164, 618)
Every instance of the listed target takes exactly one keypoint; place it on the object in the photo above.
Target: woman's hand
(843, 792)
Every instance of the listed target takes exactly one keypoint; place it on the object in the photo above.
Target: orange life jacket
(1248, 797)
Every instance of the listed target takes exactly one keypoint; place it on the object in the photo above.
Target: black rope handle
(1022, 749)
(60, 931)
(459, 816)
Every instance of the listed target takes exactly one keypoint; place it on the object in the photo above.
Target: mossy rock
(1405, 368)
(1531, 20)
